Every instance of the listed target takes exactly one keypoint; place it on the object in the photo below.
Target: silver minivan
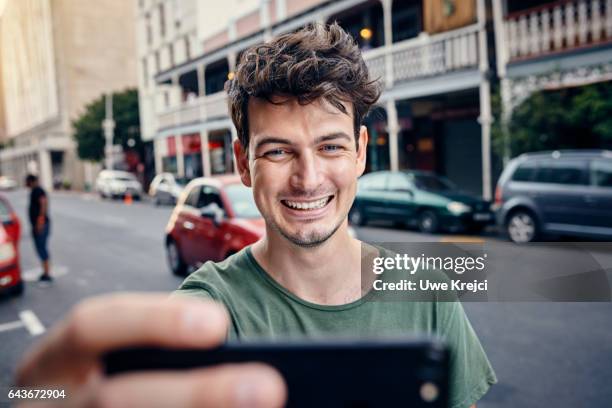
(565, 192)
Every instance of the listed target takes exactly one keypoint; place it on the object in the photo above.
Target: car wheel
(356, 216)
(522, 227)
(428, 222)
(175, 261)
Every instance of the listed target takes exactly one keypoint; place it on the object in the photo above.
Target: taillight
(498, 195)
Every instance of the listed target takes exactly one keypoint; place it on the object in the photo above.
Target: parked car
(117, 184)
(417, 198)
(7, 183)
(166, 189)
(567, 192)
(10, 229)
(214, 218)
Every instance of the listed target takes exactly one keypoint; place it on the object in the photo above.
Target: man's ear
(363, 147)
(241, 156)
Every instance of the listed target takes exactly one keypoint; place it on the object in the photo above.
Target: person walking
(39, 219)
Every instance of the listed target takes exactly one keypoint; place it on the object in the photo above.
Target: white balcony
(195, 111)
(558, 27)
(425, 56)
(420, 57)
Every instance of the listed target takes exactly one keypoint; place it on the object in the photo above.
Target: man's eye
(275, 153)
(331, 148)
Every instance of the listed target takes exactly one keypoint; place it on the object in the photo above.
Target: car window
(601, 173)
(193, 197)
(209, 195)
(373, 181)
(5, 214)
(525, 171)
(242, 201)
(569, 172)
(398, 182)
(432, 183)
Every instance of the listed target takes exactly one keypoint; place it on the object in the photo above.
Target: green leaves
(88, 131)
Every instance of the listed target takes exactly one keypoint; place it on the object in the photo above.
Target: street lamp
(108, 124)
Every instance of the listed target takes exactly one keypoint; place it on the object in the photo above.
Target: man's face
(303, 166)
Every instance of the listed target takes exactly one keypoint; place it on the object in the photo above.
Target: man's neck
(328, 274)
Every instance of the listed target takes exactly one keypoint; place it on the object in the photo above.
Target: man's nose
(306, 173)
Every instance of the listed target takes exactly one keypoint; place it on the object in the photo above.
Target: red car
(10, 229)
(214, 218)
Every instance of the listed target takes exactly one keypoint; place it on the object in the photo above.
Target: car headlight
(457, 208)
(7, 252)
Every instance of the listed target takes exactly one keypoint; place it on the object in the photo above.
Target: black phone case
(408, 373)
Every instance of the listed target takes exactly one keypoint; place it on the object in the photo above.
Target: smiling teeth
(313, 205)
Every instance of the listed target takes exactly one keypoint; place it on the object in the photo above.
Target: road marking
(31, 322)
(462, 238)
(11, 325)
(32, 275)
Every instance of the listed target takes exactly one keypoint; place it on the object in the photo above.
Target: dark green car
(421, 199)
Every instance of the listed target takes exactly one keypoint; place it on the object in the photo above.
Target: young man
(298, 103)
(39, 219)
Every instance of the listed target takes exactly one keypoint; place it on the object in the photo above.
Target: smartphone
(322, 373)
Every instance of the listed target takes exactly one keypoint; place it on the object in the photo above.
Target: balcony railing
(425, 55)
(558, 27)
(419, 57)
(198, 110)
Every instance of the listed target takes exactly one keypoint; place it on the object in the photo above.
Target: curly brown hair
(317, 61)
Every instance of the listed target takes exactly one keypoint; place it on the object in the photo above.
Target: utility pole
(108, 124)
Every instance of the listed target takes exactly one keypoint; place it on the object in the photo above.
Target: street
(544, 354)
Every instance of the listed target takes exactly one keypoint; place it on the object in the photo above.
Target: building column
(45, 172)
(501, 52)
(485, 102)
(180, 158)
(388, 29)
(201, 73)
(393, 129)
(157, 151)
(205, 153)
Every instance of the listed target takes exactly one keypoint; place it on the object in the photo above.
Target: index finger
(104, 323)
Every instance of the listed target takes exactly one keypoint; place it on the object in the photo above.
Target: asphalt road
(545, 354)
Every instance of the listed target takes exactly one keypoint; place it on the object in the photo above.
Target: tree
(88, 131)
(570, 118)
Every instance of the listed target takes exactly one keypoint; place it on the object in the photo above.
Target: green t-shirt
(261, 308)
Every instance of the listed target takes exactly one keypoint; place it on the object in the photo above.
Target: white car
(165, 189)
(115, 184)
(7, 183)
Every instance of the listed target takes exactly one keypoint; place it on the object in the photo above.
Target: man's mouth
(307, 205)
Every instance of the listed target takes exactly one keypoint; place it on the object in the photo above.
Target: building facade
(432, 60)
(435, 58)
(548, 46)
(57, 56)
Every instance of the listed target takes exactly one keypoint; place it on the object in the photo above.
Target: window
(157, 62)
(148, 28)
(162, 20)
(242, 201)
(171, 54)
(601, 173)
(5, 214)
(209, 195)
(373, 181)
(145, 71)
(187, 49)
(399, 182)
(525, 172)
(193, 197)
(569, 172)
(433, 183)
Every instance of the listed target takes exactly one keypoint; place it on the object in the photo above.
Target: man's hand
(40, 224)
(69, 357)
